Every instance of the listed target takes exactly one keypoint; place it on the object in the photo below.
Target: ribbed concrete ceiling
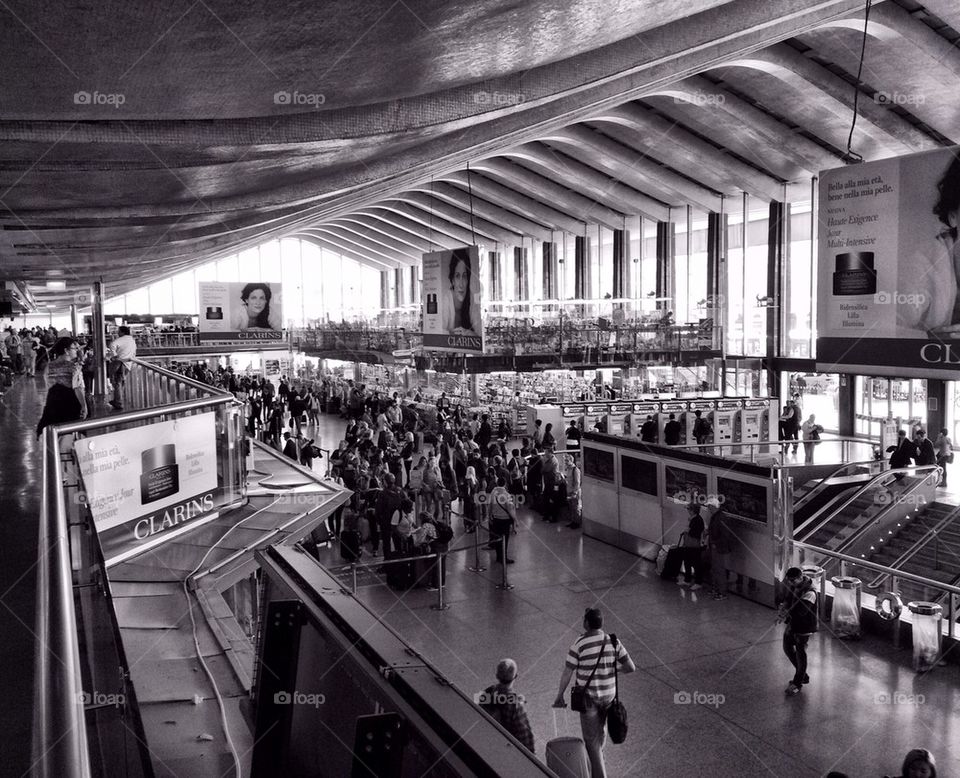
(138, 141)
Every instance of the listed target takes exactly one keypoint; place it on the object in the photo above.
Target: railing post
(895, 588)
(441, 605)
(477, 567)
(353, 570)
(504, 584)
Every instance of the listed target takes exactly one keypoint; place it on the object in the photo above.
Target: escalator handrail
(866, 527)
(824, 482)
(920, 543)
(868, 485)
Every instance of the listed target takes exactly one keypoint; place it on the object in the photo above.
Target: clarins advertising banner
(241, 311)
(452, 319)
(148, 484)
(889, 264)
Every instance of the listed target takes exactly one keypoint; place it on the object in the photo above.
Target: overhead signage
(756, 404)
(728, 405)
(245, 311)
(627, 408)
(452, 304)
(702, 405)
(148, 484)
(888, 264)
(672, 407)
(646, 408)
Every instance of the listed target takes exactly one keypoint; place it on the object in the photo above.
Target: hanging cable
(473, 232)
(851, 155)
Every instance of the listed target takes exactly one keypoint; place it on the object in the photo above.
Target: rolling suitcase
(400, 575)
(672, 563)
(567, 756)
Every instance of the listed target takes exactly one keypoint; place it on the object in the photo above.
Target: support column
(415, 284)
(716, 268)
(496, 275)
(621, 263)
(778, 241)
(666, 248)
(520, 274)
(550, 291)
(581, 267)
(384, 290)
(99, 342)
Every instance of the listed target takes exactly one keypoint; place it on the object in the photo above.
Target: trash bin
(927, 618)
(817, 575)
(845, 616)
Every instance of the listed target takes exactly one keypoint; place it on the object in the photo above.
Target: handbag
(617, 712)
(578, 694)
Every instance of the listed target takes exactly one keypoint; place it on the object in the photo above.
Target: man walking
(799, 612)
(123, 350)
(593, 658)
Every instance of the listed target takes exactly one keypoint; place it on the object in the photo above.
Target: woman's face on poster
(461, 282)
(256, 302)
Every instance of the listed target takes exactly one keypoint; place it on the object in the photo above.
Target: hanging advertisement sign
(241, 311)
(888, 264)
(148, 484)
(452, 316)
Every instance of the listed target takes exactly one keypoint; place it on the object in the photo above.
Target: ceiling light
(56, 284)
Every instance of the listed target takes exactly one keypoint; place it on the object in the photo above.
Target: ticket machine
(706, 408)
(751, 420)
(619, 418)
(592, 414)
(639, 416)
(726, 421)
(677, 408)
(569, 413)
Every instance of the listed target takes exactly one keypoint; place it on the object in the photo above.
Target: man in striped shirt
(594, 654)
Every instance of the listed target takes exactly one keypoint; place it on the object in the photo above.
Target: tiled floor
(724, 656)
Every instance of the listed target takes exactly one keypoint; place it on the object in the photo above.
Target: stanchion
(441, 605)
(504, 585)
(477, 567)
(353, 569)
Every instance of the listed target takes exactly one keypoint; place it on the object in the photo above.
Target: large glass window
(882, 398)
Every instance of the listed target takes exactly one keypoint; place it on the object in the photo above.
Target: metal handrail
(913, 488)
(59, 744)
(753, 445)
(928, 582)
(825, 481)
(868, 485)
(192, 383)
(920, 543)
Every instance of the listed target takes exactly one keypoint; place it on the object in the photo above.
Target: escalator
(816, 494)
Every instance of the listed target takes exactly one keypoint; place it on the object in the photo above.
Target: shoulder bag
(578, 694)
(617, 712)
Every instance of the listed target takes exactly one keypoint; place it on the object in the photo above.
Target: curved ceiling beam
(384, 243)
(369, 247)
(683, 150)
(386, 233)
(480, 230)
(574, 174)
(537, 186)
(419, 222)
(634, 168)
(351, 252)
(528, 207)
(834, 95)
(496, 214)
(754, 129)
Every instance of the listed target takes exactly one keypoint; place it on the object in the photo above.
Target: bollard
(441, 605)
(504, 585)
